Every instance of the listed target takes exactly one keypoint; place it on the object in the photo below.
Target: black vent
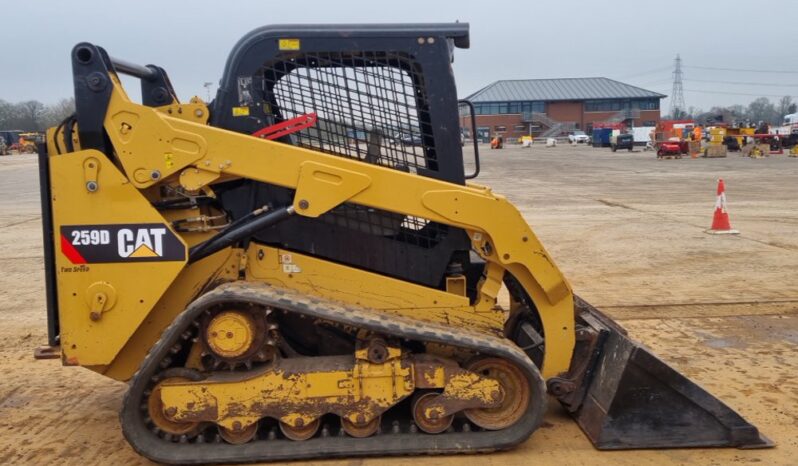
(414, 231)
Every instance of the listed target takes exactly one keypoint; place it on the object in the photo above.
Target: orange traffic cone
(720, 221)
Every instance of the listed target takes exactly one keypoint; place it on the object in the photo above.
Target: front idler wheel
(516, 394)
(155, 408)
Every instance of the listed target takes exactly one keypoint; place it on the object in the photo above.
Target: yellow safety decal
(240, 111)
(289, 44)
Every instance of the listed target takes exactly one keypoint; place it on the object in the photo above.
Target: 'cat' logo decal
(147, 242)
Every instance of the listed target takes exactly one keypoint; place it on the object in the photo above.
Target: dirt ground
(625, 228)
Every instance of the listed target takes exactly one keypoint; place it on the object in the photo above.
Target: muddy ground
(625, 228)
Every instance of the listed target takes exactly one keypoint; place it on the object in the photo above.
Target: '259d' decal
(139, 242)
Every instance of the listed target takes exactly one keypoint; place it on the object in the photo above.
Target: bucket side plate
(625, 397)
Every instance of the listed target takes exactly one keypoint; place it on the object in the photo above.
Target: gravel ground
(625, 228)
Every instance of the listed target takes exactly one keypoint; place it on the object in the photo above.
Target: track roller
(429, 422)
(240, 436)
(363, 430)
(300, 433)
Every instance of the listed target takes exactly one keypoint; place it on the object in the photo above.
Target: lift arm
(152, 146)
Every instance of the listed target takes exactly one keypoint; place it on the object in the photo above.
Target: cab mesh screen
(370, 106)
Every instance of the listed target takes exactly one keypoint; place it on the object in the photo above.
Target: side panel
(313, 276)
(102, 299)
(53, 329)
(192, 281)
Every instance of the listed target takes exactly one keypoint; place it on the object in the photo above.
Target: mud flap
(624, 397)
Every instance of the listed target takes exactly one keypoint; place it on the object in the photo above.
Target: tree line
(761, 110)
(32, 115)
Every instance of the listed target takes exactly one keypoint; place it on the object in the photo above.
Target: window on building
(648, 104)
(499, 129)
(520, 127)
(649, 123)
(502, 108)
(614, 105)
(603, 105)
(533, 107)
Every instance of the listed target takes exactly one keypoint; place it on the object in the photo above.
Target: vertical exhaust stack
(624, 397)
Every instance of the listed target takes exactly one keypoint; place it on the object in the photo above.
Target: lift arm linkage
(153, 145)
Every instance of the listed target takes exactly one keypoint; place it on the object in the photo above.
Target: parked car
(408, 139)
(622, 141)
(578, 137)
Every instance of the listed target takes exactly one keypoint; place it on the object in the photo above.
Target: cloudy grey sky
(632, 41)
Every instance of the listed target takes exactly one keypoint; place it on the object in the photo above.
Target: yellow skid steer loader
(301, 269)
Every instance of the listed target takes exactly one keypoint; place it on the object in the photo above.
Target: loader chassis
(329, 293)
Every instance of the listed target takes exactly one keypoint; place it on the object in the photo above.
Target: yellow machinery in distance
(310, 284)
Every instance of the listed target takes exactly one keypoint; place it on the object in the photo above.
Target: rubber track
(389, 443)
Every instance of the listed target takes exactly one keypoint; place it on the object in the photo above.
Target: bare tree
(717, 115)
(56, 113)
(763, 110)
(32, 115)
(28, 114)
(786, 106)
(678, 114)
(760, 110)
(6, 114)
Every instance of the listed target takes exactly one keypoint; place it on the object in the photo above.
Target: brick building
(553, 107)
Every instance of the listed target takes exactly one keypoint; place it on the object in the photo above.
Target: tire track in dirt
(775, 244)
(686, 311)
(7, 225)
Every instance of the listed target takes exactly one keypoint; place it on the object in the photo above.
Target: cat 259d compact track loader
(300, 268)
